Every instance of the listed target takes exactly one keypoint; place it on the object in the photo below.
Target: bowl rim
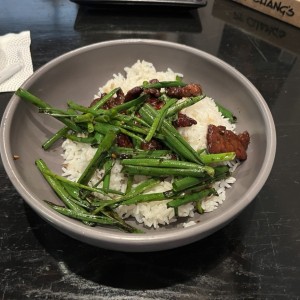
(158, 240)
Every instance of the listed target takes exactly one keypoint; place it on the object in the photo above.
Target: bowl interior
(77, 76)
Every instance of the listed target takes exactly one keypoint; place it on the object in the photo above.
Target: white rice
(153, 214)
(135, 75)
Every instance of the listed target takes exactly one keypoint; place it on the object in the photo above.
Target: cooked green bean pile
(193, 172)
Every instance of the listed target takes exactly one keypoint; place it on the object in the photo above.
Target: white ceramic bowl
(77, 75)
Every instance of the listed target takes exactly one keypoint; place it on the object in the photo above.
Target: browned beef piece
(154, 80)
(190, 90)
(184, 121)
(152, 92)
(137, 91)
(244, 137)
(124, 140)
(219, 140)
(114, 101)
(152, 145)
(133, 93)
(155, 102)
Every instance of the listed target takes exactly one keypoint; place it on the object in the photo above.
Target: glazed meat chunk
(152, 145)
(184, 121)
(133, 93)
(124, 140)
(190, 90)
(219, 140)
(111, 102)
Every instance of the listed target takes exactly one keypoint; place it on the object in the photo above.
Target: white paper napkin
(15, 60)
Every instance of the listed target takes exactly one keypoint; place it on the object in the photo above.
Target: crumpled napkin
(15, 60)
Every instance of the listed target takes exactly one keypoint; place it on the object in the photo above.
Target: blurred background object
(271, 30)
(145, 3)
(285, 10)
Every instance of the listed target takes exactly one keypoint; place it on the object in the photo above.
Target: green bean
(84, 140)
(163, 84)
(183, 104)
(120, 222)
(189, 181)
(102, 118)
(104, 99)
(129, 129)
(95, 202)
(171, 132)
(199, 207)
(172, 136)
(124, 152)
(98, 137)
(106, 178)
(202, 151)
(157, 122)
(84, 109)
(191, 198)
(100, 154)
(70, 124)
(130, 120)
(162, 172)
(226, 113)
(143, 154)
(129, 184)
(139, 189)
(143, 186)
(32, 99)
(167, 163)
(204, 184)
(217, 158)
(154, 154)
(57, 187)
(145, 198)
(186, 182)
(137, 129)
(126, 105)
(178, 148)
(82, 216)
(84, 204)
(74, 193)
(170, 140)
(107, 219)
(75, 184)
(72, 190)
(55, 112)
(86, 193)
(104, 128)
(88, 117)
(90, 127)
(131, 134)
(54, 138)
(42, 104)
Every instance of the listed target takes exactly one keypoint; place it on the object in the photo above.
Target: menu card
(284, 10)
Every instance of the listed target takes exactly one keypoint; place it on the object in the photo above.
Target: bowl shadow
(140, 271)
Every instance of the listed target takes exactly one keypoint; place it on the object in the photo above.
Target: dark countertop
(256, 256)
